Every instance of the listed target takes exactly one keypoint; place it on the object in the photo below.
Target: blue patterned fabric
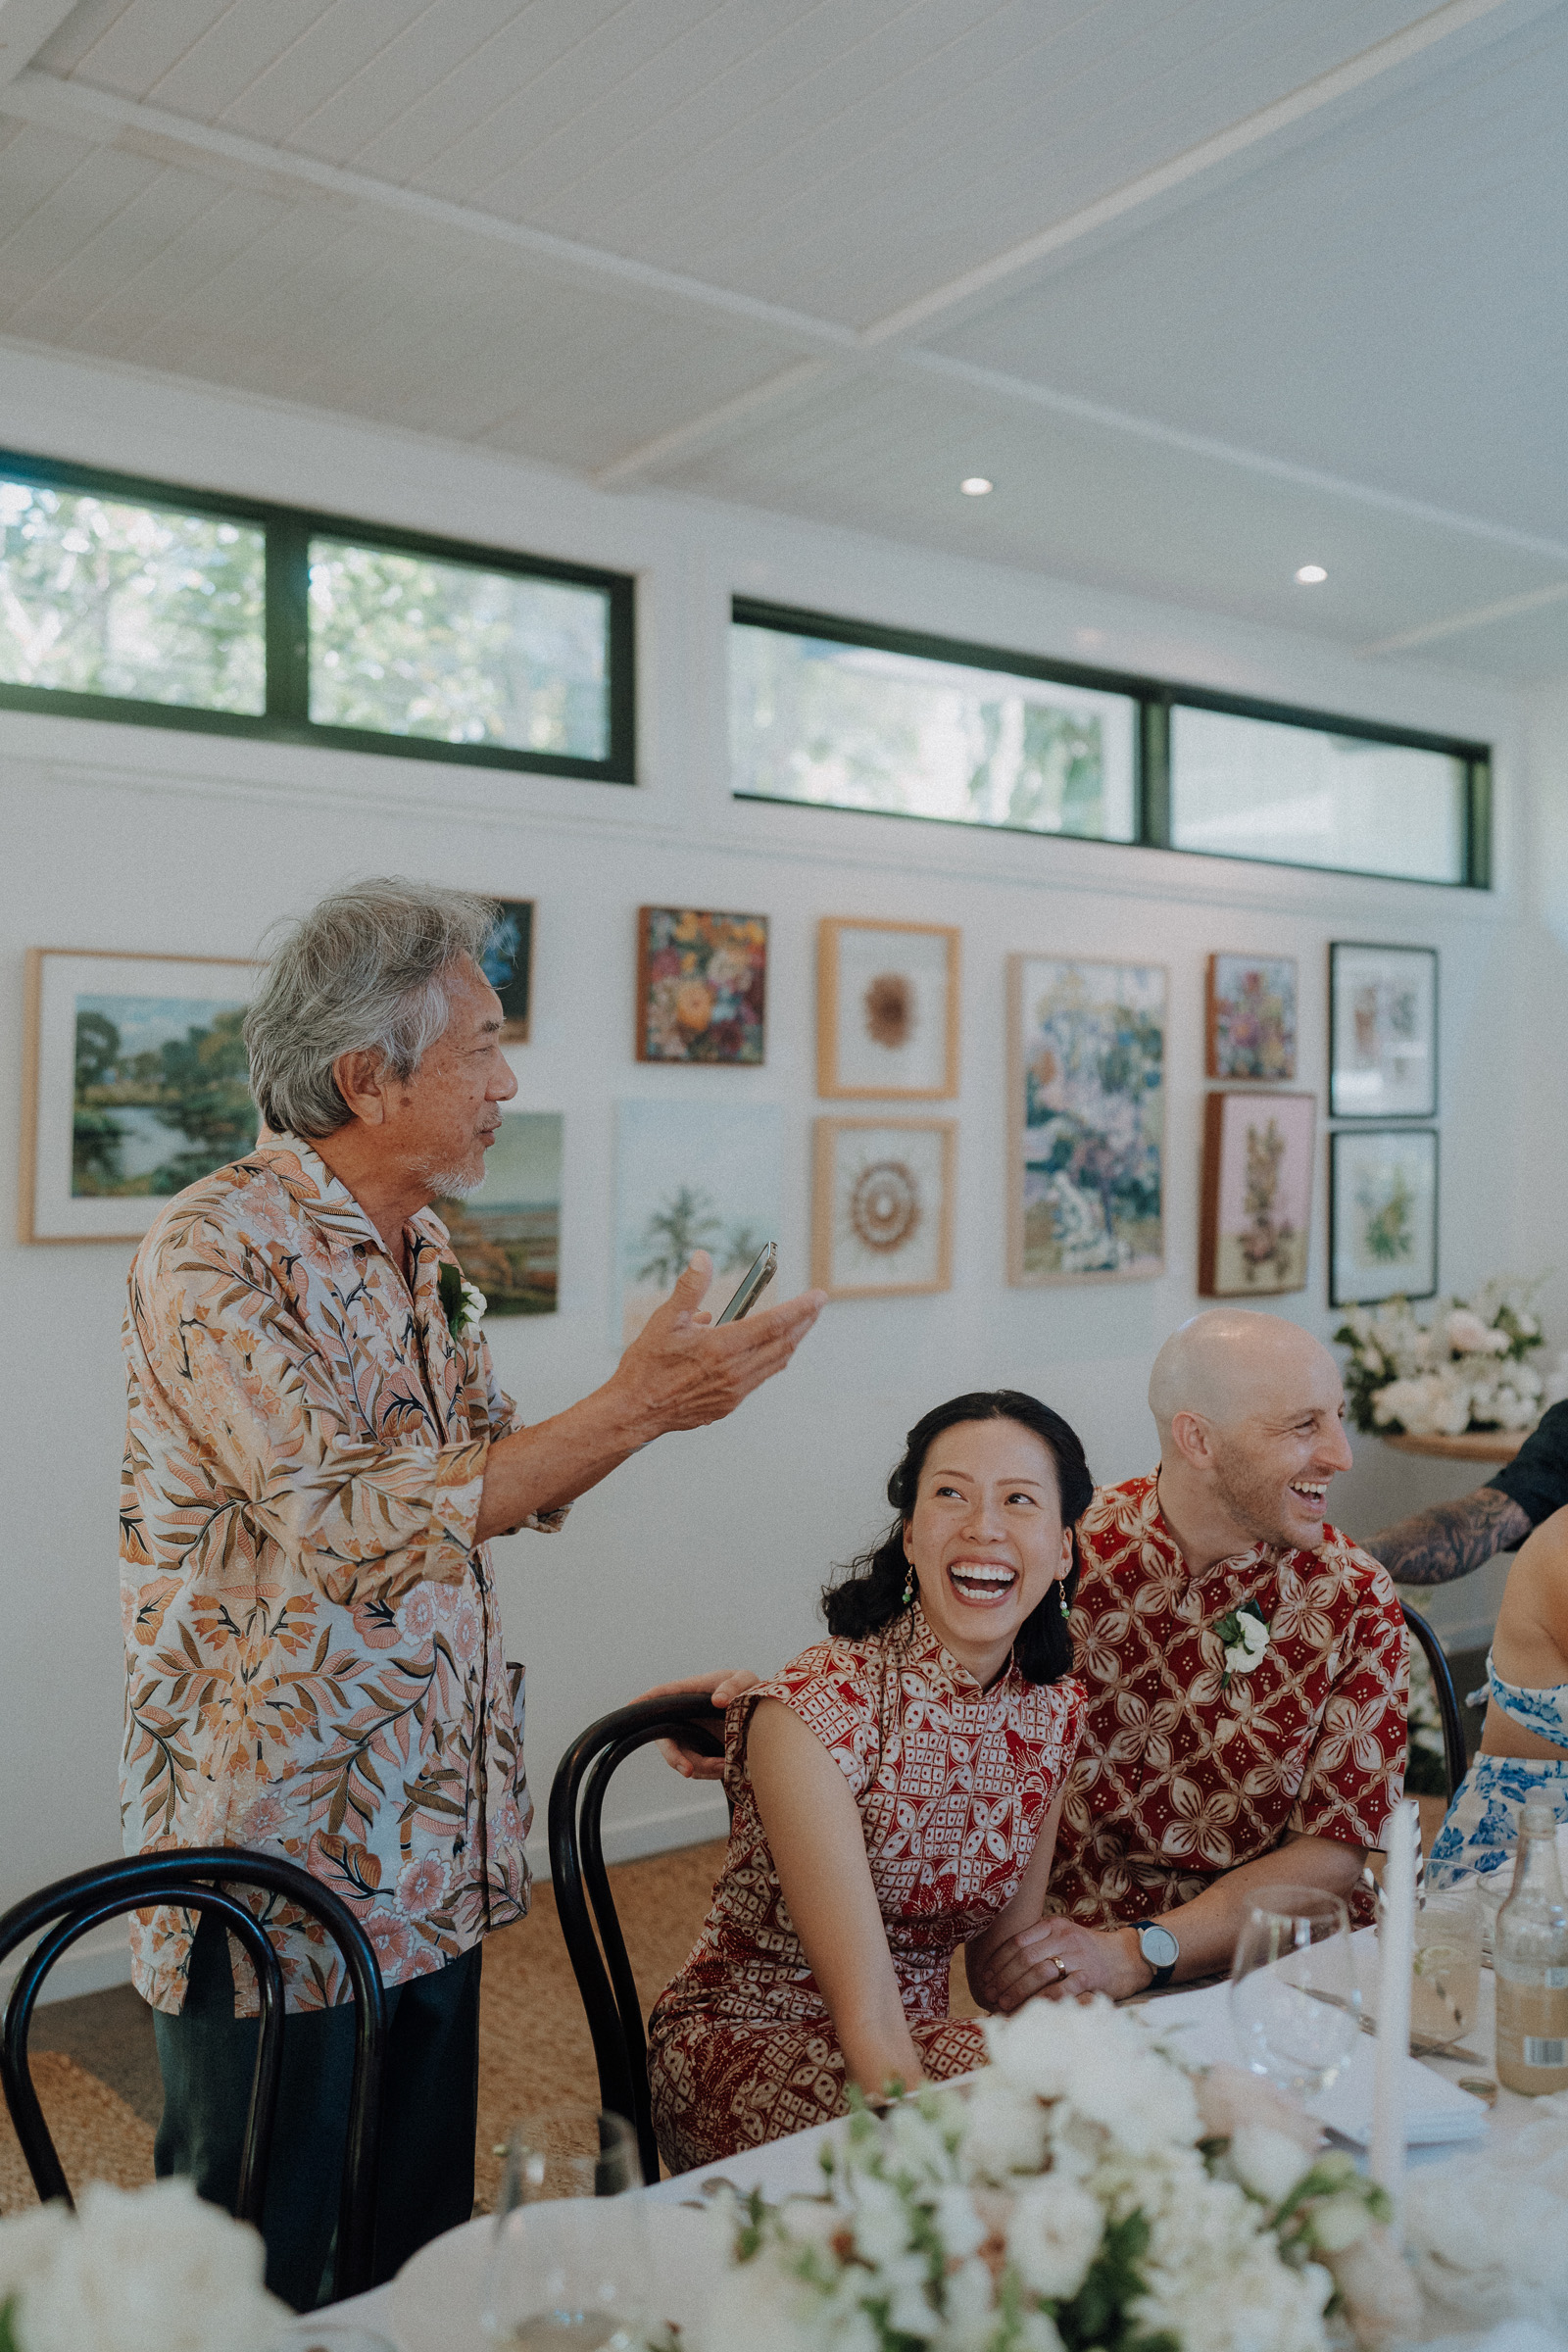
(1543, 1712)
(1481, 1831)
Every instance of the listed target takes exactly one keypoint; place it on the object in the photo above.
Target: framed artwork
(887, 1009)
(1255, 1224)
(1251, 1017)
(134, 1084)
(882, 1206)
(1086, 1117)
(1383, 1032)
(702, 984)
(1382, 1214)
(508, 966)
(691, 1176)
(508, 1234)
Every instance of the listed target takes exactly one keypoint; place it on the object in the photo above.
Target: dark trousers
(429, 2107)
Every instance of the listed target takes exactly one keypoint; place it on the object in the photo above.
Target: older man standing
(1246, 1676)
(316, 1453)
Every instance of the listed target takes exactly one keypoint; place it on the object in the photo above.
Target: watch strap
(1161, 1976)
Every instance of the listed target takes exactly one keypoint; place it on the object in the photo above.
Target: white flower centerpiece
(1467, 1369)
(1083, 2191)
(146, 2270)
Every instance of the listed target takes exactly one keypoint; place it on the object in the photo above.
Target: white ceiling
(1209, 288)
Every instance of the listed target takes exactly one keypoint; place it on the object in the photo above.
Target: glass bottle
(1529, 1959)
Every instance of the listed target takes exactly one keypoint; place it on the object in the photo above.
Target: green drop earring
(908, 1587)
(1063, 1603)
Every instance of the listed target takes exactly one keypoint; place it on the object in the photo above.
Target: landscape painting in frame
(701, 985)
(691, 1175)
(134, 1086)
(882, 1206)
(1382, 1214)
(887, 1009)
(508, 966)
(1256, 1228)
(1251, 1017)
(1086, 1192)
(1383, 1032)
(507, 1235)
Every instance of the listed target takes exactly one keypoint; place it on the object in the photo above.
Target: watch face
(1160, 1947)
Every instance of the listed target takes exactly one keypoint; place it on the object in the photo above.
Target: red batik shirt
(1179, 1778)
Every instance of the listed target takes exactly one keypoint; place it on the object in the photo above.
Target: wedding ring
(1062, 1967)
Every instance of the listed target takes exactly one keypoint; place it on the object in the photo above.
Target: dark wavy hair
(870, 1591)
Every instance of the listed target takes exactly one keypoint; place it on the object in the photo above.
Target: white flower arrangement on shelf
(1468, 1369)
(146, 2270)
(1083, 2191)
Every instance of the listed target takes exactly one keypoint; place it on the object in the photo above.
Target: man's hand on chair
(720, 1687)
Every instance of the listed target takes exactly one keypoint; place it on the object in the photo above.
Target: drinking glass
(1446, 1990)
(1294, 2003)
(569, 2259)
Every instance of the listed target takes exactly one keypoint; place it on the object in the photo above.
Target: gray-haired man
(315, 1459)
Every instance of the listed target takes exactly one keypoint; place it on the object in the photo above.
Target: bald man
(1247, 1674)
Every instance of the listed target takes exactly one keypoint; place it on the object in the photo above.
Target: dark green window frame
(288, 532)
(1157, 698)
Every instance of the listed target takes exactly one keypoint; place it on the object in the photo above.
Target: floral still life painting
(1252, 1016)
(701, 983)
(136, 1085)
(1383, 1023)
(507, 1236)
(1255, 1225)
(882, 1206)
(1088, 1117)
(1382, 1214)
(691, 1176)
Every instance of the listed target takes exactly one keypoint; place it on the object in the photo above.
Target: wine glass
(1295, 2002)
(569, 2259)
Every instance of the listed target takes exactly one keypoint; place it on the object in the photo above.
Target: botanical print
(1385, 1032)
(1088, 1116)
(887, 1009)
(691, 1176)
(1252, 1016)
(1258, 1194)
(701, 986)
(313, 1653)
(508, 965)
(1384, 1213)
(882, 1209)
(508, 1234)
(136, 1086)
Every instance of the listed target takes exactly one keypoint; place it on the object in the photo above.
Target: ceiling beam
(1456, 623)
(24, 26)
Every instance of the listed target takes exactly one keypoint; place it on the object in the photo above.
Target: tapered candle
(1395, 1959)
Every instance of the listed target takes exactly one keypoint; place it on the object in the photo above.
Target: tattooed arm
(1451, 1539)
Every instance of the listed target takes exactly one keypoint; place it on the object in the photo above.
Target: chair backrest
(1455, 1756)
(583, 1899)
(195, 1878)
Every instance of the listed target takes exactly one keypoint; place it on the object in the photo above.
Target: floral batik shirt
(314, 1654)
(1188, 1769)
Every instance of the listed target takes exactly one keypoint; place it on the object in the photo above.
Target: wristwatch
(1160, 1950)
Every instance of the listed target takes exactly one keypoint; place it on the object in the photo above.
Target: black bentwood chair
(185, 1877)
(1455, 1757)
(605, 1980)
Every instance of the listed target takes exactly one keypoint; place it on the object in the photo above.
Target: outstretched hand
(683, 1370)
(719, 1688)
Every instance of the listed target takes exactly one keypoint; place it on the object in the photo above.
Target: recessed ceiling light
(975, 485)
(1309, 575)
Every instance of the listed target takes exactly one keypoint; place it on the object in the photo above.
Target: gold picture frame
(75, 1184)
(882, 1203)
(887, 1009)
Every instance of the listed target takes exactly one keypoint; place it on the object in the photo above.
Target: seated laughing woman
(894, 1793)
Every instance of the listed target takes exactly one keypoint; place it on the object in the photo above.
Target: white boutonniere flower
(462, 1303)
(1243, 1638)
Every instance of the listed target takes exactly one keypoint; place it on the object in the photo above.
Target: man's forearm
(1206, 1927)
(1451, 1539)
(543, 1468)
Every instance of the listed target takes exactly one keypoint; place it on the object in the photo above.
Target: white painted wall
(710, 1547)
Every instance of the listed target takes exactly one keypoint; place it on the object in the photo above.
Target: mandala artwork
(884, 1208)
(883, 1204)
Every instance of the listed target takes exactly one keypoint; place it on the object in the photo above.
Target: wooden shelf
(1471, 1445)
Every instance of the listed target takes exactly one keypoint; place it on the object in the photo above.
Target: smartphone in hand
(759, 1274)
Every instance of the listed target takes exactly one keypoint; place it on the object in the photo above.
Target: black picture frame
(1376, 1073)
(1417, 1148)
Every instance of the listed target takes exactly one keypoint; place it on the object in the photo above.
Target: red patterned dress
(1179, 1778)
(953, 1784)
